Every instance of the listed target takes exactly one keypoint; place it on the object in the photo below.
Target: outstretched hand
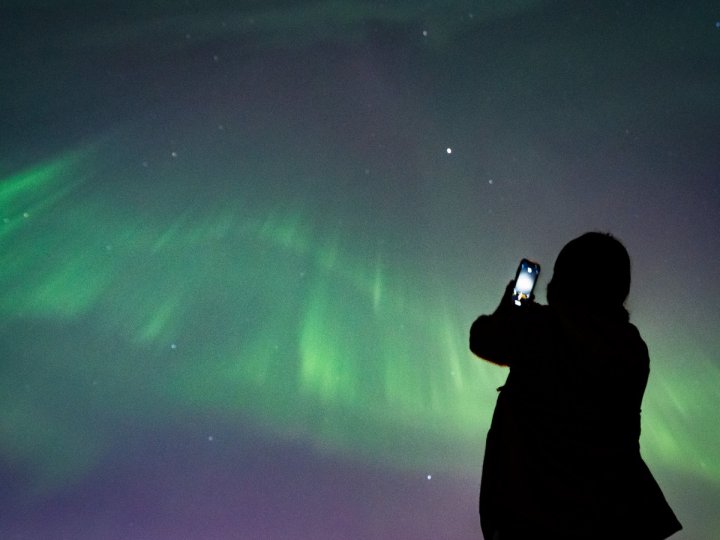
(507, 303)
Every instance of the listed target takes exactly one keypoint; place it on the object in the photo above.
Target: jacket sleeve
(489, 339)
(501, 338)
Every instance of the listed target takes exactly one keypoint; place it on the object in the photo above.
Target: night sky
(242, 243)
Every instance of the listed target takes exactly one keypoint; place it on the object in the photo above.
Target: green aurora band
(249, 311)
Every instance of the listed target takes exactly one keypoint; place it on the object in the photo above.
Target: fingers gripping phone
(525, 279)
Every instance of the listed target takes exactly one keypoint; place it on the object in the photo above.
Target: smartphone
(525, 279)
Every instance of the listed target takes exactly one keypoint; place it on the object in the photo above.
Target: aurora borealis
(242, 245)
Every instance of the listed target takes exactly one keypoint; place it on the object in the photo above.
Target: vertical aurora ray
(673, 430)
(36, 279)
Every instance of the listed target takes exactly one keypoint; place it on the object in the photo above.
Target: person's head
(591, 274)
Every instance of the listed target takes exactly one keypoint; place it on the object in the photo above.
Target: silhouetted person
(562, 459)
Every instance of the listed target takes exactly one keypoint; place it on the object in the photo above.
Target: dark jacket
(562, 458)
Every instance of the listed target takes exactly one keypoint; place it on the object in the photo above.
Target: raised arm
(499, 338)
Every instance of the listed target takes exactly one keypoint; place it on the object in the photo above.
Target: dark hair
(591, 274)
